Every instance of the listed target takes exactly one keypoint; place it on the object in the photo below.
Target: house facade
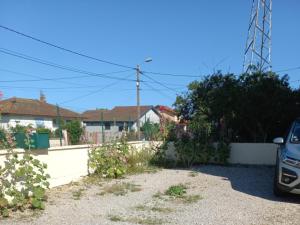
(116, 121)
(37, 113)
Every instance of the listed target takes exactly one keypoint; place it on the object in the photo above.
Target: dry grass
(120, 188)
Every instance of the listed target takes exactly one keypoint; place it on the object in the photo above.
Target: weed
(193, 174)
(154, 209)
(158, 195)
(176, 190)
(115, 218)
(120, 189)
(161, 209)
(146, 221)
(77, 194)
(136, 220)
(189, 199)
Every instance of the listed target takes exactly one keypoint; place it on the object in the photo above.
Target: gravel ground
(229, 195)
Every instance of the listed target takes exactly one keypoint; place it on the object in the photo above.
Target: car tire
(276, 190)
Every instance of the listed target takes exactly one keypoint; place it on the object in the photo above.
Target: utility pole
(138, 101)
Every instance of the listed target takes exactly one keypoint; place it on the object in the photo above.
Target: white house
(37, 113)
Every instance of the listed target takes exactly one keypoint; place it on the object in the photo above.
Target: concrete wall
(253, 153)
(70, 163)
(67, 163)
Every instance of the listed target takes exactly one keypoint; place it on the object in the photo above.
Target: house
(116, 121)
(37, 113)
(167, 114)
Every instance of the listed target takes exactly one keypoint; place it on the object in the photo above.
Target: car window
(295, 137)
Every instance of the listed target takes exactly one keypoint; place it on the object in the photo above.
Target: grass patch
(78, 194)
(189, 199)
(93, 180)
(136, 220)
(176, 190)
(115, 218)
(154, 209)
(120, 189)
(193, 174)
(145, 221)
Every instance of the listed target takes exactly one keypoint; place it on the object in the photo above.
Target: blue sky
(183, 37)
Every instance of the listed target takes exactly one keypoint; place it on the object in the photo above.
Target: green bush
(109, 160)
(43, 130)
(140, 161)
(23, 181)
(75, 131)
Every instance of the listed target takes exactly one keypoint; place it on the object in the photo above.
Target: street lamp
(138, 71)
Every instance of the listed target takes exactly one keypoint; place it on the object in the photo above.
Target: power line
(72, 69)
(46, 79)
(161, 84)
(89, 57)
(65, 49)
(93, 92)
(288, 69)
(47, 63)
(171, 74)
(157, 90)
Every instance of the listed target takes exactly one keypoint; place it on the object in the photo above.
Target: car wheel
(276, 190)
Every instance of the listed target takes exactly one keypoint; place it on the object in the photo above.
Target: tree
(251, 107)
(74, 130)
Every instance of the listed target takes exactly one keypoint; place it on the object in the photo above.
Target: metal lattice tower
(258, 46)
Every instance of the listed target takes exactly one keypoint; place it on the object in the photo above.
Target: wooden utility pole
(138, 101)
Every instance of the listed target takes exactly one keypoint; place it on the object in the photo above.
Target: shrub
(75, 131)
(109, 160)
(140, 161)
(22, 181)
(43, 130)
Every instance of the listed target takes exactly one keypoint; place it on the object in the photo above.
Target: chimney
(42, 97)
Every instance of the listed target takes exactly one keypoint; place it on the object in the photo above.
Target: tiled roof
(33, 107)
(118, 113)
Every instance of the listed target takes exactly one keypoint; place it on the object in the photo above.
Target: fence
(70, 163)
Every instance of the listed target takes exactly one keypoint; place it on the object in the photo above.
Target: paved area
(227, 195)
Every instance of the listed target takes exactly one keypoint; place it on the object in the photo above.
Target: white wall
(151, 116)
(253, 153)
(67, 163)
(11, 121)
(70, 163)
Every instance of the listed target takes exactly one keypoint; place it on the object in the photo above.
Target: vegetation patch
(176, 190)
(153, 209)
(136, 220)
(193, 174)
(120, 188)
(78, 194)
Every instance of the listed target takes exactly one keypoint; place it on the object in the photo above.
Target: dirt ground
(215, 195)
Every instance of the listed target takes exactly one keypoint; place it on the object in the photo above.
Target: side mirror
(278, 141)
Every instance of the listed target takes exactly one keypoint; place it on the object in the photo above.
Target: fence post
(102, 127)
(58, 123)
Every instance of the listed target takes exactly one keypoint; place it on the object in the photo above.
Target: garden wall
(66, 163)
(70, 163)
(253, 153)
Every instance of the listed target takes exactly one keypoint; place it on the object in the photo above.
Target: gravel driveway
(227, 195)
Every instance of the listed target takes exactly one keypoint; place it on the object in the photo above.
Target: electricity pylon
(258, 47)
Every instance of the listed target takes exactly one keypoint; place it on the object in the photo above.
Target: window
(107, 126)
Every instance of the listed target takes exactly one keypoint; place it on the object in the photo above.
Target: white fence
(70, 163)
